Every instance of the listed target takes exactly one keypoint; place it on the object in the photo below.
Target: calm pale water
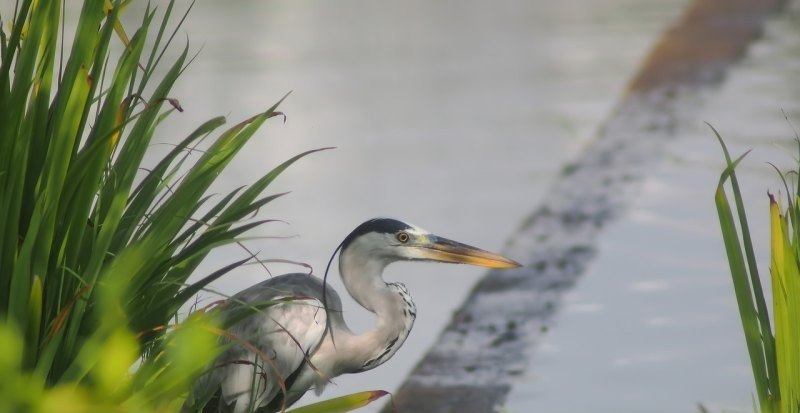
(456, 116)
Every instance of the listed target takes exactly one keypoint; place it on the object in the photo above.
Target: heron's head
(390, 240)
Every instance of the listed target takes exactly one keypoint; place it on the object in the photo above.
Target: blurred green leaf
(343, 403)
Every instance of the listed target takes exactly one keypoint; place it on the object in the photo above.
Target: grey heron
(303, 334)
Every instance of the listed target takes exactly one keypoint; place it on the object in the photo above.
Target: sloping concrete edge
(471, 368)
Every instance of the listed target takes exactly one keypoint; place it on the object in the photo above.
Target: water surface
(452, 115)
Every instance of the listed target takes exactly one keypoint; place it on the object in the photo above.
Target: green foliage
(105, 362)
(96, 250)
(73, 221)
(775, 359)
(342, 404)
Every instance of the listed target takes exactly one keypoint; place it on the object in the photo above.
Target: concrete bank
(489, 340)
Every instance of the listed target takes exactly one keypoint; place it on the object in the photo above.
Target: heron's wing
(272, 345)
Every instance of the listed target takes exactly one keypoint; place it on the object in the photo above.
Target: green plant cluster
(773, 346)
(96, 250)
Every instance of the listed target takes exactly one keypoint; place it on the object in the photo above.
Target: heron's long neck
(391, 303)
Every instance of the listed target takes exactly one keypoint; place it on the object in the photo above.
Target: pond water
(456, 116)
(452, 115)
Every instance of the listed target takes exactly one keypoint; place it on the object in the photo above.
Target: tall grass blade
(775, 359)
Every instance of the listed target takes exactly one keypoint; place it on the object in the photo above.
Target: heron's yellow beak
(445, 250)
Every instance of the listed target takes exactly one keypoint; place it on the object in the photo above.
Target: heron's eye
(402, 237)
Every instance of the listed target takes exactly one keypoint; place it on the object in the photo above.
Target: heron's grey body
(295, 344)
(295, 330)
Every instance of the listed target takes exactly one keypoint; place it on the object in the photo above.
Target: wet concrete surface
(488, 342)
(710, 36)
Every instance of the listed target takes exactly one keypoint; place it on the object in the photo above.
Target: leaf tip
(377, 394)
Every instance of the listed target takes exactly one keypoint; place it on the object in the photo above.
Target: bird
(289, 335)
